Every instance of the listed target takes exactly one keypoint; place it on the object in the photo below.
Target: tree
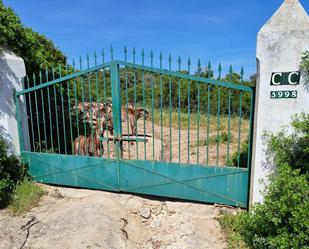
(36, 50)
(253, 79)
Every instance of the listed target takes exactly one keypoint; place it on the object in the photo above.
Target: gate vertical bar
(31, 117)
(69, 106)
(37, 113)
(250, 147)
(228, 128)
(161, 106)
(50, 114)
(43, 109)
(144, 104)
(116, 100)
(135, 104)
(20, 134)
(62, 111)
(189, 110)
(56, 110)
(170, 104)
(127, 99)
(240, 117)
(198, 112)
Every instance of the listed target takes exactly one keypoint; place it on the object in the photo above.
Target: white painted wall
(280, 45)
(12, 70)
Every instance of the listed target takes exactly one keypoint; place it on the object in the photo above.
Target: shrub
(232, 225)
(292, 148)
(285, 147)
(282, 220)
(243, 156)
(226, 138)
(11, 171)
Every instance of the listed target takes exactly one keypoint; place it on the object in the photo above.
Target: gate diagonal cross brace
(183, 182)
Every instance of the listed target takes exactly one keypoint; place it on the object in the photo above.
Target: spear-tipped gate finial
(170, 62)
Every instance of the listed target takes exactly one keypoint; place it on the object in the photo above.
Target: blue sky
(221, 30)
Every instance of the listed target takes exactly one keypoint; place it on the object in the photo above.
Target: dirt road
(76, 218)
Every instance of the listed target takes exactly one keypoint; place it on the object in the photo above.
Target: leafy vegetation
(16, 190)
(11, 172)
(293, 148)
(304, 67)
(214, 139)
(27, 195)
(34, 48)
(242, 156)
(282, 220)
(232, 225)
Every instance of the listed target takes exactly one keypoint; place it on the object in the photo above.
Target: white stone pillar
(280, 45)
(12, 71)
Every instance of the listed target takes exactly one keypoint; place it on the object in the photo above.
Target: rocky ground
(76, 218)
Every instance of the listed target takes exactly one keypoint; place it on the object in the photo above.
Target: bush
(285, 147)
(293, 148)
(282, 220)
(232, 225)
(11, 171)
(243, 156)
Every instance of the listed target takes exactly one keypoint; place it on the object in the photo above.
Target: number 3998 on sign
(283, 94)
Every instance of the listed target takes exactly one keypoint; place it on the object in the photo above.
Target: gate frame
(116, 101)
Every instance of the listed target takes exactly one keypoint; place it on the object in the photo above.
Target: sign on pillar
(280, 80)
(280, 92)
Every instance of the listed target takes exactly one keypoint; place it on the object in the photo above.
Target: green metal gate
(124, 126)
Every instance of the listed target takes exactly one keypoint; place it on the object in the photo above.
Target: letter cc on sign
(288, 78)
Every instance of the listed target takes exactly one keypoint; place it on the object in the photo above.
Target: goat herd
(100, 117)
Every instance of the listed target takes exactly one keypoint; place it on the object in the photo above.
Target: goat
(94, 143)
(133, 116)
(90, 112)
(80, 145)
(94, 114)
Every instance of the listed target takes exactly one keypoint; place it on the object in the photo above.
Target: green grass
(231, 225)
(214, 139)
(26, 196)
(213, 120)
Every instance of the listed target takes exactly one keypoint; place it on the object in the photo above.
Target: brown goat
(90, 145)
(133, 116)
(94, 144)
(80, 145)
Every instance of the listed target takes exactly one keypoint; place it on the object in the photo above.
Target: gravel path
(76, 218)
